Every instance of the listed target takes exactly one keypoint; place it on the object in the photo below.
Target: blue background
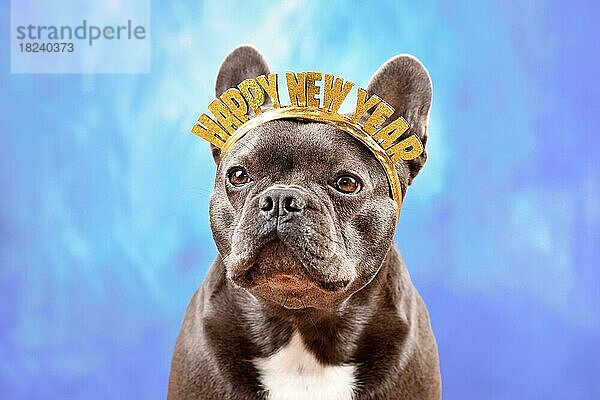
(104, 230)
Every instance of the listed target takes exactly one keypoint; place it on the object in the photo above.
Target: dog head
(301, 212)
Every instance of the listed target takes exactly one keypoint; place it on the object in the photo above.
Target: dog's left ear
(404, 83)
(242, 63)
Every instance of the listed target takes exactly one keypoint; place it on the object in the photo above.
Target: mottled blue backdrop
(104, 192)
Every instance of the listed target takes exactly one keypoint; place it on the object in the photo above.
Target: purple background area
(103, 193)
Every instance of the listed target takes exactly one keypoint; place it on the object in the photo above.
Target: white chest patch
(293, 373)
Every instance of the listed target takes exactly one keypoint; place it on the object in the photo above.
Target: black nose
(281, 201)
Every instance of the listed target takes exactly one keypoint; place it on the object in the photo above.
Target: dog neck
(373, 330)
(332, 336)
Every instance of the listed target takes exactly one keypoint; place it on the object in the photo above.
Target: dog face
(301, 212)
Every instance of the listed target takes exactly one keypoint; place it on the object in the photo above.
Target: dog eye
(347, 184)
(238, 176)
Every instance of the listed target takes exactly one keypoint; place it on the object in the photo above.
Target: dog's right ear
(242, 63)
(405, 84)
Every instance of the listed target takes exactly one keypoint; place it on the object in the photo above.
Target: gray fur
(326, 267)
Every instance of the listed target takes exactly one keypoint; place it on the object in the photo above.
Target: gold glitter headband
(239, 110)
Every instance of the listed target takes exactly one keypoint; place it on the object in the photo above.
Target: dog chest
(293, 373)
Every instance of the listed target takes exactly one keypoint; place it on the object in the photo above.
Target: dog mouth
(254, 276)
(275, 272)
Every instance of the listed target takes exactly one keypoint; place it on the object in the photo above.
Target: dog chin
(275, 275)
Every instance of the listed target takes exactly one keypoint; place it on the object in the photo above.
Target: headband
(239, 110)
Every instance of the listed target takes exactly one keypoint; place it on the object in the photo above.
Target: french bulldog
(308, 298)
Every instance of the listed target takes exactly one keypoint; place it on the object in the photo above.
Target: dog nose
(280, 202)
